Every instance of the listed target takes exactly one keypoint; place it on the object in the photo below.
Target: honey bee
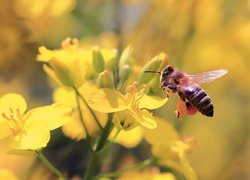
(192, 97)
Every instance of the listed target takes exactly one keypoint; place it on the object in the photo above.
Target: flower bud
(126, 56)
(154, 86)
(124, 72)
(105, 80)
(155, 66)
(113, 62)
(98, 60)
(62, 72)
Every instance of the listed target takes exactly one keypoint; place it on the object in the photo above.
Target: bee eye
(168, 71)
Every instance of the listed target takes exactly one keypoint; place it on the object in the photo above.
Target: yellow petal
(107, 100)
(73, 129)
(54, 115)
(13, 101)
(65, 96)
(35, 135)
(45, 54)
(52, 74)
(7, 174)
(128, 139)
(151, 102)
(4, 129)
(144, 118)
(164, 129)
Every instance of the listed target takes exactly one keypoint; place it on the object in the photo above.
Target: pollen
(15, 119)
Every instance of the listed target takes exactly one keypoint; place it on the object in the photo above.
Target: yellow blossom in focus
(131, 109)
(7, 174)
(31, 130)
(73, 128)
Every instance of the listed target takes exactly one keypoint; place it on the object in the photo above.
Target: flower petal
(13, 101)
(73, 129)
(52, 74)
(144, 118)
(35, 135)
(107, 100)
(128, 139)
(152, 102)
(4, 129)
(164, 129)
(54, 115)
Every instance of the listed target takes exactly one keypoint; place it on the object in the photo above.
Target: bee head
(165, 74)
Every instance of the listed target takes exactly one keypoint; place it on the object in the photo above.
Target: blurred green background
(198, 35)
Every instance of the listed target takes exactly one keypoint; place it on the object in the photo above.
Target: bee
(192, 97)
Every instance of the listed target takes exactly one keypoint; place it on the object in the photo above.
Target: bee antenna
(157, 72)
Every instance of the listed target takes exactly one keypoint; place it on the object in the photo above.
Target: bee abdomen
(202, 102)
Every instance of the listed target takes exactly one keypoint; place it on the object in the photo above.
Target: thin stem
(101, 142)
(109, 143)
(90, 110)
(138, 166)
(80, 113)
(50, 165)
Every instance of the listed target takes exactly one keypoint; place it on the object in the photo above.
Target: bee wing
(206, 77)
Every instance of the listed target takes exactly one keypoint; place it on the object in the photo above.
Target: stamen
(6, 117)
(19, 115)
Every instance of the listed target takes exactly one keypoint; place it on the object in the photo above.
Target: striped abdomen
(199, 99)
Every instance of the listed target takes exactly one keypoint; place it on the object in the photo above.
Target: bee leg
(181, 108)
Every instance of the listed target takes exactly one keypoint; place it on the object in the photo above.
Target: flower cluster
(102, 97)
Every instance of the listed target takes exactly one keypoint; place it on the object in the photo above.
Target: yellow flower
(128, 139)
(169, 148)
(7, 174)
(73, 128)
(67, 66)
(130, 108)
(31, 130)
(151, 174)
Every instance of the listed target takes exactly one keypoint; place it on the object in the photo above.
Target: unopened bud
(154, 85)
(149, 71)
(62, 72)
(124, 72)
(126, 56)
(105, 80)
(98, 60)
(113, 62)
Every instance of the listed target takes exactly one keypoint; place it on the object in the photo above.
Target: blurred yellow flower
(7, 174)
(130, 108)
(148, 175)
(128, 139)
(31, 130)
(73, 128)
(72, 65)
(67, 66)
(170, 150)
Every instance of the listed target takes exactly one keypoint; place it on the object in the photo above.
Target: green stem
(80, 114)
(90, 110)
(138, 166)
(109, 143)
(49, 165)
(101, 142)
